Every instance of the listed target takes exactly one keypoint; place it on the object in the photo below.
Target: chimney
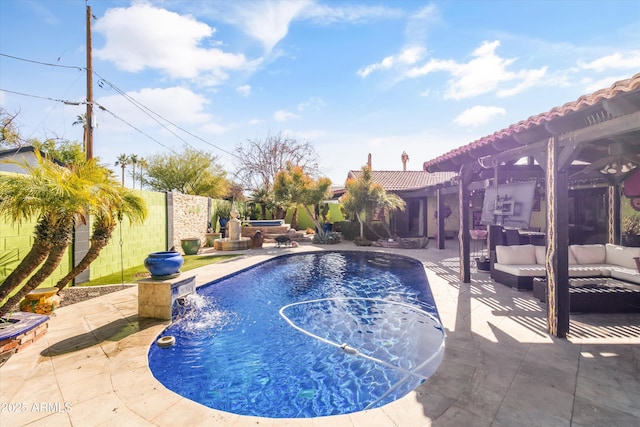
(405, 158)
(369, 161)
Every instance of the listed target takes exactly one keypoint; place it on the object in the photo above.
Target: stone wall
(191, 216)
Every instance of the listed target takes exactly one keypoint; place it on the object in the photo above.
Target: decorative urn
(163, 263)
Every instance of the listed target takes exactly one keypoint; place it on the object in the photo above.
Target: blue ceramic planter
(163, 263)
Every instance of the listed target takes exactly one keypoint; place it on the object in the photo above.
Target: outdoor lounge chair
(283, 240)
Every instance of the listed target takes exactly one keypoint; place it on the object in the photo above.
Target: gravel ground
(75, 294)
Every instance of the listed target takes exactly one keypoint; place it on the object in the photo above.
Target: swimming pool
(306, 335)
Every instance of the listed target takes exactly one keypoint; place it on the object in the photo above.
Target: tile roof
(406, 180)
(585, 102)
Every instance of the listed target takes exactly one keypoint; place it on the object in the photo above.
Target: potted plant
(190, 245)
(211, 235)
(223, 212)
(631, 231)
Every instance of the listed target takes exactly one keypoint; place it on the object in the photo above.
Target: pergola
(595, 138)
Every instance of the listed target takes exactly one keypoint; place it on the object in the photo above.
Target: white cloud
(254, 122)
(312, 103)
(244, 90)
(420, 23)
(325, 14)
(482, 74)
(406, 57)
(478, 115)
(527, 79)
(485, 72)
(618, 60)
(284, 116)
(591, 85)
(143, 36)
(267, 21)
(176, 104)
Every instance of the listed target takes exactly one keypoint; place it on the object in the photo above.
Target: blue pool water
(306, 335)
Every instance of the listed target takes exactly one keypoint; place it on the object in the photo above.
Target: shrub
(359, 241)
(349, 229)
(329, 238)
(631, 225)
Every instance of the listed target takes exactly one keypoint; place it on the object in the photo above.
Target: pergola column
(440, 219)
(613, 201)
(557, 255)
(464, 237)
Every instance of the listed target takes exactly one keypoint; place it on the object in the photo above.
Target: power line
(139, 105)
(44, 97)
(150, 112)
(84, 103)
(75, 67)
(133, 127)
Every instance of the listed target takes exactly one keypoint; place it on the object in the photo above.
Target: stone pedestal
(157, 298)
(234, 226)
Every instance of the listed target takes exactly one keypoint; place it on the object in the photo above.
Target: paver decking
(500, 367)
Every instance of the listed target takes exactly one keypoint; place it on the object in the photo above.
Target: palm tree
(364, 196)
(263, 198)
(81, 119)
(117, 203)
(133, 159)
(123, 161)
(142, 162)
(59, 197)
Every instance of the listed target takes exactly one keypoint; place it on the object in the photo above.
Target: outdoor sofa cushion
(621, 255)
(516, 254)
(584, 261)
(588, 254)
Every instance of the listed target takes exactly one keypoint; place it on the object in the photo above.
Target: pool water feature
(306, 335)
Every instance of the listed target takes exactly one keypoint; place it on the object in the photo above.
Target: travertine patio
(500, 368)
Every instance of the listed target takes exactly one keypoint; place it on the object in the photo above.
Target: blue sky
(350, 77)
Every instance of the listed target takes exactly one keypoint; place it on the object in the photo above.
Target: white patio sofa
(517, 265)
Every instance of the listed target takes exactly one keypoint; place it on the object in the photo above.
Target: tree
(142, 162)
(264, 199)
(258, 161)
(294, 187)
(363, 197)
(118, 203)
(63, 151)
(9, 135)
(190, 172)
(123, 161)
(59, 197)
(81, 120)
(133, 160)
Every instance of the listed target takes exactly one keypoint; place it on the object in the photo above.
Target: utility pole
(88, 126)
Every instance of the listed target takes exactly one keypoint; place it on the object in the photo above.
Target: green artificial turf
(133, 274)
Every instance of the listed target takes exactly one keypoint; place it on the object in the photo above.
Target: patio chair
(283, 240)
(512, 236)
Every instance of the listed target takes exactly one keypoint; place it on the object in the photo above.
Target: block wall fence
(170, 217)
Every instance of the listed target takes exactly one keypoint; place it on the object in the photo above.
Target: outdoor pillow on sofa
(621, 255)
(541, 253)
(588, 254)
(516, 254)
